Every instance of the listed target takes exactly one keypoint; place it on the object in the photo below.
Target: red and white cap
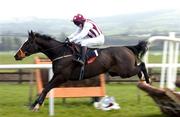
(78, 19)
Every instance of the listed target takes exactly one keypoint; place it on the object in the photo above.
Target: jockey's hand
(67, 40)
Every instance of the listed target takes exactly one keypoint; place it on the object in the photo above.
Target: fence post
(164, 61)
(173, 59)
(51, 97)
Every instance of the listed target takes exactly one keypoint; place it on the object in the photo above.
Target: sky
(66, 9)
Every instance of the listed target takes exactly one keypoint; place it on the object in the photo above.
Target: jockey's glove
(67, 40)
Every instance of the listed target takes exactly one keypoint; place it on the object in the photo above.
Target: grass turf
(133, 102)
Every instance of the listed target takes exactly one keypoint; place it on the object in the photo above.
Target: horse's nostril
(18, 57)
(26, 53)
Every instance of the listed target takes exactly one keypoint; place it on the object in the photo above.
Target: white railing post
(164, 61)
(173, 56)
(176, 61)
(170, 67)
(51, 96)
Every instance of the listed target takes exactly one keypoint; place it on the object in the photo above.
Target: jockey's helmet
(78, 19)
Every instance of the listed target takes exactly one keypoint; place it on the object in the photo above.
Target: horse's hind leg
(144, 70)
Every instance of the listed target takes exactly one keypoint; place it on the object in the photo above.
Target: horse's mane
(47, 37)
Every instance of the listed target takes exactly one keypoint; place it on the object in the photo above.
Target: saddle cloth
(91, 55)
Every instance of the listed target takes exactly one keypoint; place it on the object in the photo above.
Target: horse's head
(28, 48)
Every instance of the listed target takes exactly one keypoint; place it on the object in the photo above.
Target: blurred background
(123, 22)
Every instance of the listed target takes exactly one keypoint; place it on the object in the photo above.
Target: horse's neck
(52, 49)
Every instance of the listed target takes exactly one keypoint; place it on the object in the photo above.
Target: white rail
(169, 59)
(25, 66)
(159, 65)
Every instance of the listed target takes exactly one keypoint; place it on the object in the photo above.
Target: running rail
(170, 58)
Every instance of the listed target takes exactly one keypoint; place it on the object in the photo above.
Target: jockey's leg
(83, 53)
(87, 43)
(81, 60)
(84, 43)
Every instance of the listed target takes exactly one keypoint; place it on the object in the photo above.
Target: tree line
(10, 43)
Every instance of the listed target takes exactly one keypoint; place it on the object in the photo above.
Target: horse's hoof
(36, 108)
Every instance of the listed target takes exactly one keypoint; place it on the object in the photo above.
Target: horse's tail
(140, 49)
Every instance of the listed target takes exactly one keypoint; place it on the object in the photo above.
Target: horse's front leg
(54, 82)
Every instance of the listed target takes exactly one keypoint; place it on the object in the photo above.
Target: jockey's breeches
(91, 41)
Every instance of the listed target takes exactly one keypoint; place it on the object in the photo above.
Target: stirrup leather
(79, 60)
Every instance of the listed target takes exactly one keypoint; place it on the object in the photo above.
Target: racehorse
(123, 61)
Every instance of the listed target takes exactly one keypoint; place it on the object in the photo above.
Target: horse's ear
(32, 33)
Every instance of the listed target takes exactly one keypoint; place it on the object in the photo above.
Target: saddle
(91, 53)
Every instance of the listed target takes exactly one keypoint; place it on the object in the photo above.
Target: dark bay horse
(117, 61)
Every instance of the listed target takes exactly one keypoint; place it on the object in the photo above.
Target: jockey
(87, 34)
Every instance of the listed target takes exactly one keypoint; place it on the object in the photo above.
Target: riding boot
(82, 61)
(83, 54)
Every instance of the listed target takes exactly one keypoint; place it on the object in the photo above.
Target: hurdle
(70, 89)
(167, 100)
